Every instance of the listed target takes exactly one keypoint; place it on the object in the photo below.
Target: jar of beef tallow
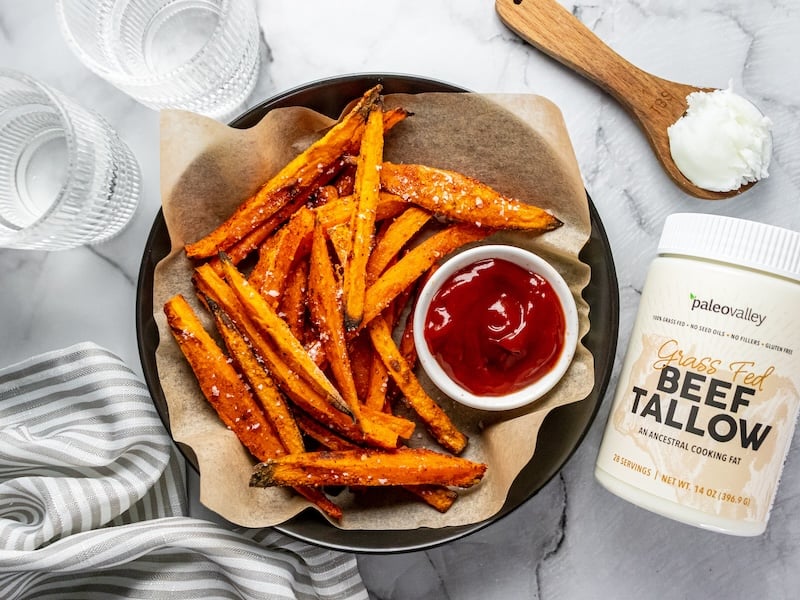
(708, 393)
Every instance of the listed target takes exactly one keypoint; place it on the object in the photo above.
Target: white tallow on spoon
(654, 103)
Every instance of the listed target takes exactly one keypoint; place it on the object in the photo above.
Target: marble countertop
(573, 539)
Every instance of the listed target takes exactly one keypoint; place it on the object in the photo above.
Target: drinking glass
(66, 178)
(196, 55)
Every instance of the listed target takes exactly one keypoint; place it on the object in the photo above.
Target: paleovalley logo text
(737, 312)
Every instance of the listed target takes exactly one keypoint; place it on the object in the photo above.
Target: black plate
(563, 429)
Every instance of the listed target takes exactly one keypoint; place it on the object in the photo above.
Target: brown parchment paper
(516, 143)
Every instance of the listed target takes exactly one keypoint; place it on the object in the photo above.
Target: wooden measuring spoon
(653, 102)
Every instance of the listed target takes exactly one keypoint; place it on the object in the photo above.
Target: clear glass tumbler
(196, 55)
(66, 178)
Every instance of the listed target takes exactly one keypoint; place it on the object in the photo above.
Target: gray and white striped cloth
(92, 500)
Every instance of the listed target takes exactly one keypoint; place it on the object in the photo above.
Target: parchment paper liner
(516, 143)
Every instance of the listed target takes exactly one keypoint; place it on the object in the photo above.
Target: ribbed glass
(196, 55)
(91, 178)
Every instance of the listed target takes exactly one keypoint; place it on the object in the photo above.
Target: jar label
(708, 394)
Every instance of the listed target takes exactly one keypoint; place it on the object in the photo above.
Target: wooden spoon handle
(549, 27)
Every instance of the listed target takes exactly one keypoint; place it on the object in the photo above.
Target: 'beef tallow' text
(676, 390)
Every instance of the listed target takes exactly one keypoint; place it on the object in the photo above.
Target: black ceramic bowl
(563, 429)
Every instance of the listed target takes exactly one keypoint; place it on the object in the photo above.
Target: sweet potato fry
(208, 283)
(339, 211)
(333, 441)
(377, 396)
(340, 238)
(439, 497)
(304, 171)
(273, 404)
(240, 248)
(220, 382)
(325, 195)
(368, 467)
(387, 246)
(362, 222)
(272, 326)
(325, 437)
(275, 259)
(435, 419)
(261, 384)
(292, 306)
(399, 425)
(345, 181)
(381, 430)
(317, 496)
(378, 384)
(393, 116)
(326, 313)
(463, 198)
(360, 349)
(418, 260)
(229, 396)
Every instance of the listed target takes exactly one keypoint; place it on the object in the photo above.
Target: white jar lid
(736, 241)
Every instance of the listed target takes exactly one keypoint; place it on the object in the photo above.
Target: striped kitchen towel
(92, 500)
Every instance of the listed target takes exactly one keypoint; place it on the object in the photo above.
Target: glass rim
(56, 101)
(124, 80)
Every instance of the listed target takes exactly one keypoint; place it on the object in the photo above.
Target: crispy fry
(267, 255)
(326, 312)
(220, 383)
(308, 170)
(340, 238)
(292, 306)
(212, 285)
(324, 436)
(377, 396)
(400, 425)
(229, 396)
(393, 116)
(382, 431)
(463, 198)
(339, 211)
(345, 181)
(360, 349)
(406, 270)
(402, 229)
(318, 497)
(325, 195)
(362, 222)
(240, 248)
(271, 325)
(275, 260)
(368, 467)
(439, 497)
(436, 420)
(261, 384)
(378, 384)
(333, 441)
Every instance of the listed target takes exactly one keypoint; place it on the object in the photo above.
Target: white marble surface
(574, 539)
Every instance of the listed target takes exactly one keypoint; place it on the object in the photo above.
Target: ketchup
(495, 327)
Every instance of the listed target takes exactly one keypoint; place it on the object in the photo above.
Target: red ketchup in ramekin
(495, 327)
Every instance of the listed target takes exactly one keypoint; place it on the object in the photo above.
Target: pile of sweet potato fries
(304, 366)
